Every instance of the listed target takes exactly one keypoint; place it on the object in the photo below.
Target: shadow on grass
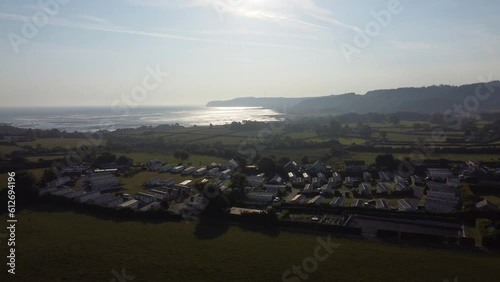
(53, 204)
(210, 229)
(267, 230)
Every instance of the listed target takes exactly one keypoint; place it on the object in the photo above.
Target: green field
(369, 157)
(133, 184)
(64, 246)
(7, 149)
(51, 143)
(51, 157)
(195, 160)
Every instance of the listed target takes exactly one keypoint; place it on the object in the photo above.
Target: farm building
(87, 196)
(363, 189)
(381, 204)
(404, 205)
(201, 171)
(354, 165)
(275, 188)
(154, 165)
(316, 200)
(337, 202)
(61, 191)
(438, 174)
(326, 189)
(188, 170)
(226, 174)
(350, 181)
(416, 180)
(165, 168)
(261, 198)
(308, 189)
(367, 176)
(74, 194)
(59, 182)
(486, 205)
(321, 177)
(400, 187)
(298, 199)
(357, 203)
(231, 165)
(76, 171)
(155, 181)
(177, 169)
(336, 179)
(187, 183)
(113, 202)
(256, 180)
(291, 166)
(306, 177)
(276, 180)
(441, 198)
(213, 172)
(150, 207)
(145, 198)
(384, 176)
(382, 189)
(400, 180)
(101, 199)
(168, 182)
(318, 167)
(161, 195)
(132, 204)
(100, 182)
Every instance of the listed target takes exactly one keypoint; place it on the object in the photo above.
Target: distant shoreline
(91, 119)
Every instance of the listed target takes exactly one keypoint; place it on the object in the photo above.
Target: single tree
(394, 119)
(267, 165)
(181, 155)
(238, 180)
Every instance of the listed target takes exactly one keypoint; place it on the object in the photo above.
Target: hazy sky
(96, 52)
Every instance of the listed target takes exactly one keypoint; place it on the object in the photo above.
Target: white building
(298, 199)
(132, 204)
(188, 170)
(316, 200)
(201, 171)
(177, 169)
(226, 174)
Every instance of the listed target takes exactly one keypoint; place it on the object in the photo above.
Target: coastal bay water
(96, 118)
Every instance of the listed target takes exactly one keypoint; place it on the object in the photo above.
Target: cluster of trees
(108, 158)
(248, 125)
(32, 134)
(489, 232)
(387, 161)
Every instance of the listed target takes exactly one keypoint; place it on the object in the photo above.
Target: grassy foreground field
(64, 246)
